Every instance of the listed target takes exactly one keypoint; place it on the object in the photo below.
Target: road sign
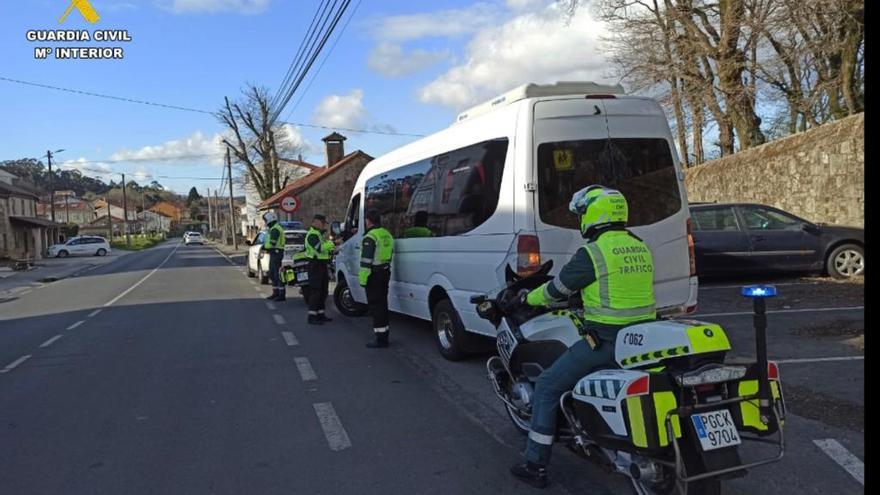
(289, 204)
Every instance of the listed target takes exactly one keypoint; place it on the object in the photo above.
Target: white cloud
(198, 6)
(521, 5)
(389, 59)
(88, 168)
(196, 146)
(534, 47)
(440, 24)
(346, 111)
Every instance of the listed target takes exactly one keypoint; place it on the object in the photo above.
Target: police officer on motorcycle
(274, 244)
(318, 251)
(614, 272)
(375, 274)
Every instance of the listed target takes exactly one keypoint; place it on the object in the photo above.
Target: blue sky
(399, 65)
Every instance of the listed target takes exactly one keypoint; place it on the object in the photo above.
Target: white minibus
(501, 178)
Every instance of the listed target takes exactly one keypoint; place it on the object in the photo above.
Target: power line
(300, 51)
(188, 109)
(290, 92)
(324, 60)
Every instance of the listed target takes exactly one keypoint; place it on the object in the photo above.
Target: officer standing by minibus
(274, 245)
(375, 274)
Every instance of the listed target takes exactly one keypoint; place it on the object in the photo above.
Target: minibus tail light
(528, 250)
(691, 256)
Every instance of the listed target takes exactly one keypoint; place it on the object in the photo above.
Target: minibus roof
(562, 88)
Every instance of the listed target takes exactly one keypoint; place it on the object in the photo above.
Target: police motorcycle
(671, 416)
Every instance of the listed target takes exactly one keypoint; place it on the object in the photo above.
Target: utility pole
(51, 182)
(109, 220)
(125, 214)
(67, 207)
(219, 224)
(231, 210)
(210, 213)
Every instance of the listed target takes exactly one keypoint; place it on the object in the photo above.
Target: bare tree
(255, 144)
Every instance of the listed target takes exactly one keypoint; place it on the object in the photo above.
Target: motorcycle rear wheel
(520, 423)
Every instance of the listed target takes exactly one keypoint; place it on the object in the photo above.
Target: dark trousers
(275, 258)
(377, 296)
(319, 283)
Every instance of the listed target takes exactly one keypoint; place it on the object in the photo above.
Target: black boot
(314, 320)
(274, 295)
(381, 340)
(323, 317)
(532, 474)
(282, 295)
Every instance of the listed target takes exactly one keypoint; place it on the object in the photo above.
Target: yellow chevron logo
(84, 7)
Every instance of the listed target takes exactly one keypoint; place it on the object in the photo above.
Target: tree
(193, 197)
(255, 143)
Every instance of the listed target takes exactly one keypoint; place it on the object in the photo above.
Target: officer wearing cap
(375, 274)
(318, 251)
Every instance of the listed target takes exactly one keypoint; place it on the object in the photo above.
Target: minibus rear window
(641, 168)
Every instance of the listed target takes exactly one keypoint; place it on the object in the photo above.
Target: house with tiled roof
(23, 235)
(325, 190)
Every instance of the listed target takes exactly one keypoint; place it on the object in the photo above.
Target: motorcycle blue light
(759, 291)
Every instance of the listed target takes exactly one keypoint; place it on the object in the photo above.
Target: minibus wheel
(345, 302)
(449, 331)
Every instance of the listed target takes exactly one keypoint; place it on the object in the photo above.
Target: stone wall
(330, 195)
(818, 174)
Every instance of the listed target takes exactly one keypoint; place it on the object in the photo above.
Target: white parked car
(502, 176)
(258, 258)
(193, 238)
(87, 245)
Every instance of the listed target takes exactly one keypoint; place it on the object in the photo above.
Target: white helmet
(269, 217)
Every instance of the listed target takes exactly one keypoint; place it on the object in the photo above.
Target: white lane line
(11, 366)
(51, 341)
(139, 282)
(778, 311)
(221, 253)
(336, 436)
(305, 369)
(853, 465)
(820, 360)
(712, 287)
(279, 319)
(80, 322)
(270, 306)
(95, 312)
(290, 338)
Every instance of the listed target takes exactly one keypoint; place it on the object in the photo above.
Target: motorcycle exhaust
(494, 366)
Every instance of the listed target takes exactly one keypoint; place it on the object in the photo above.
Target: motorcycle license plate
(716, 429)
(302, 276)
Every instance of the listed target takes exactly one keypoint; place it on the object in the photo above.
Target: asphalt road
(166, 372)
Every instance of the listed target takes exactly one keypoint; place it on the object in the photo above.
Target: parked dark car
(736, 238)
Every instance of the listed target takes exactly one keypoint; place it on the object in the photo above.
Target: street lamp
(52, 182)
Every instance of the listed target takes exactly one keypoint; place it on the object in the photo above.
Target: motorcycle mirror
(478, 299)
(335, 228)
(546, 267)
(510, 276)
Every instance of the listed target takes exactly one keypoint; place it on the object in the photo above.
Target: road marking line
(810, 310)
(820, 360)
(710, 287)
(80, 322)
(279, 319)
(51, 341)
(852, 464)
(95, 312)
(11, 366)
(336, 436)
(139, 282)
(290, 338)
(270, 306)
(305, 369)
(224, 255)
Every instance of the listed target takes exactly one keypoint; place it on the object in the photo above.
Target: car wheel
(63, 254)
(101, 252)
(345, 302)
(449, 331)
(264, 278)
(846, 261)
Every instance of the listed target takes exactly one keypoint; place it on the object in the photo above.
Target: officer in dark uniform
(274, 244)
(318, 251)
(375, 274)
